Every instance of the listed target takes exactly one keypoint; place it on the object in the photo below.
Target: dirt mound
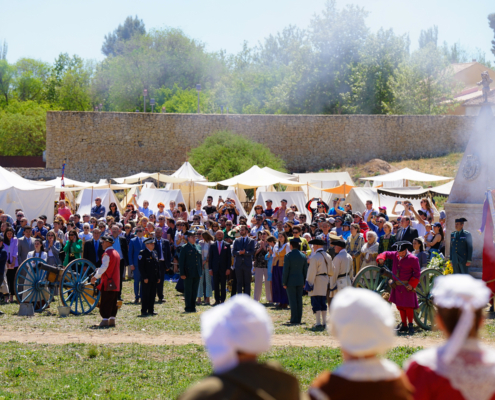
(377, 167)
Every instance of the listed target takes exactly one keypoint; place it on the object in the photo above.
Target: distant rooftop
(478, 100)
(458, 67)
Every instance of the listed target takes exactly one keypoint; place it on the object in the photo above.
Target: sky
(44, 29)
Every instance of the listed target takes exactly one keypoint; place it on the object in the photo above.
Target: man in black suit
(120, 245)
(243, 263)
(406, 232)
(93, 250)
(162, 248)
(220, 261)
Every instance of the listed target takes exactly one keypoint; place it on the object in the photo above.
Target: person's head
(280, 225)
(258, 209)
(106, 242)
(316, 243)
(115, 231)
(356, 310)
(369, 204)
(181, 225)
(325, 227)
(282, 238)
(98, 201)
(418, 245)
(296, 231)
(96, 233)
(207, 237)
(209, 200)
(19, 215)
(425, 204)
(196, 220)
(243, 230)
(24, 221)
(181, 207)
(228, 225)
(61, 204)
(160, 206)
(459, 224)
(355, 229)
(294, 244)
(266, 225)
(86, 228)
(27, 231)
(198, 205)
(50, 236)
(293, 207)
(264, 234)
(283, 203)
(73, 235)
(222, 221)
(9, 233)
(348, 207)
(214, 226)
(388, 228)
(268, 204)
(405, 222)
(38, 245)
(402, 248)
(219, 235)
(161, 220)
(242, 220)
(40, 223)
(146, 204)
(170, 222)
(357, 216)
(259, 220)
(372, 237)
(191, 237)
(320, 208)
(113, 207)
(291, 215)
(460, 300)
(171, 204)
(139, 231)
(288, 227)
(150, 227)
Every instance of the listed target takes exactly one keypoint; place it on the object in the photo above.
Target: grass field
(82, 371)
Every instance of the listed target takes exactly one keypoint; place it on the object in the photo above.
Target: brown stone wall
(106, 144)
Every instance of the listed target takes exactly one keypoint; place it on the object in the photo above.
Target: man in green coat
(461, 248)
(190, 270)
(293, 277)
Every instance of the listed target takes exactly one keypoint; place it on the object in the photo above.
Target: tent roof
(187, 171)
(279, 174)
(342, 189)
(443, 190)
(417, 192)
(9, 179)
(255, 177)
(341, 177)
(408, 174)
(144, 175)
(57, 182)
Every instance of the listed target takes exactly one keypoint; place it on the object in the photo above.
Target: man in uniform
(461, 248)
(235, 334)
(293, 277)
(341, 274)
(149, 271)
(190, 266)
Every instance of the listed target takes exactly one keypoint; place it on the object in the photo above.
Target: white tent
(86, 200)
(17, 192)
(359, 195)
(57, 182)
(297, 198)
(406, 174)
(324, 180)
(279, 174)
(190, 185)
(135, 191)
(141, 176)
(155, 196)
(442, 190)
(256, 177)
(225, 194)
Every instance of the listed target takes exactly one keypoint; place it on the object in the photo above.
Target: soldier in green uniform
(293, 277)
(235, 333)
(150, 276)
(190, 268)
(461, 248)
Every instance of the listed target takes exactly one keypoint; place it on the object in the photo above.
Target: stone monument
(475, 176)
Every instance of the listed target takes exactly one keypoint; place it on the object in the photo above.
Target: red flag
(488, 248)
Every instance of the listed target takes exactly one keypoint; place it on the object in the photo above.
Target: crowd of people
(214, 249)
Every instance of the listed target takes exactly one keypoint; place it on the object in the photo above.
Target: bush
(225, 154)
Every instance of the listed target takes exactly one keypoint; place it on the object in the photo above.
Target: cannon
(37, 282)
(373, 278)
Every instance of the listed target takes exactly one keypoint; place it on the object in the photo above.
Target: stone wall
(106, 144)
(44, 174)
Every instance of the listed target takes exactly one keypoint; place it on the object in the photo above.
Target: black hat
(420, 212)
(149, 240)
(284, 200)
(42, 217)
(340, 219)
(108, 239)
(403, 245)
(295, 242)
(346, 223)
(318, 242)
(314, 225)
(190, 233)
(269, 200)
(461, 220)
(339, 243)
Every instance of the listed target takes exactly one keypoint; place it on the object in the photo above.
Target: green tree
(6, 76)
(429, 36)
(23, 128)
(226, 154)
(113, 43)
(31, 79)
(491, 23)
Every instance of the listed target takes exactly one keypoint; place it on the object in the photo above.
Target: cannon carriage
(38, 283)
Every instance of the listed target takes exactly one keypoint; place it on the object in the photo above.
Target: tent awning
(256, 177)
(342, 189)
(187, 171)
(282, 175)
(144, 175)
(407, 174)
(418, 192)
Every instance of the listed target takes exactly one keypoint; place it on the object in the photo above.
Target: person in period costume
(403, 280)
(149, 271)
(164, 254)
(190, 267)
(354, 244)
(279, 294)
(342, 271)
(293, 278)
(235, 333)
(319, 270)
(461, 369)
(461, 248)
(220, 263)
(109, 275)
(3, 262)
(363, 374)
(387, 241)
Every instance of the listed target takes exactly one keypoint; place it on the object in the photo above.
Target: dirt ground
(113, 336)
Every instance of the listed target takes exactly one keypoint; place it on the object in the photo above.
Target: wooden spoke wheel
(425, 314)
(370, 278)
(76, 289)
(32, 286)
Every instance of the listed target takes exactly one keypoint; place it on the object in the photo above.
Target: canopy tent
(341, 189)
(19, 193)
(135, 190)
(141, 176)
(388, 184)
(255, 177)
(419, 192)
(190, 185)
(57, 182)
(225, 194)
(241, 193)
(314, 182)
(86, 199)
(297, 198)
(359, 195)
(282, 175)
(155, 196)
(406, 174)
(442, 190)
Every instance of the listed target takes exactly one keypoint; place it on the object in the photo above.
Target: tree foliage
(114, 41)
(226, 154)
(491, 23)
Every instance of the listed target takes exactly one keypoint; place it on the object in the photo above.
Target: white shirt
(86, 237)
(105, 260)
(366, 213)
(420, 228)
(33, 254)
(202, 213)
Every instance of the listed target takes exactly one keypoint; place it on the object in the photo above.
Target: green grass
(132, 371)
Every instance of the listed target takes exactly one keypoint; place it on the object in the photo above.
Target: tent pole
(194, 197)
(158, 180)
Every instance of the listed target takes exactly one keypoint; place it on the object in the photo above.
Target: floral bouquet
(439, 262)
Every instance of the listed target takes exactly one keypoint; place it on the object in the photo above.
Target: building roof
(478, 100)
(458, 67)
